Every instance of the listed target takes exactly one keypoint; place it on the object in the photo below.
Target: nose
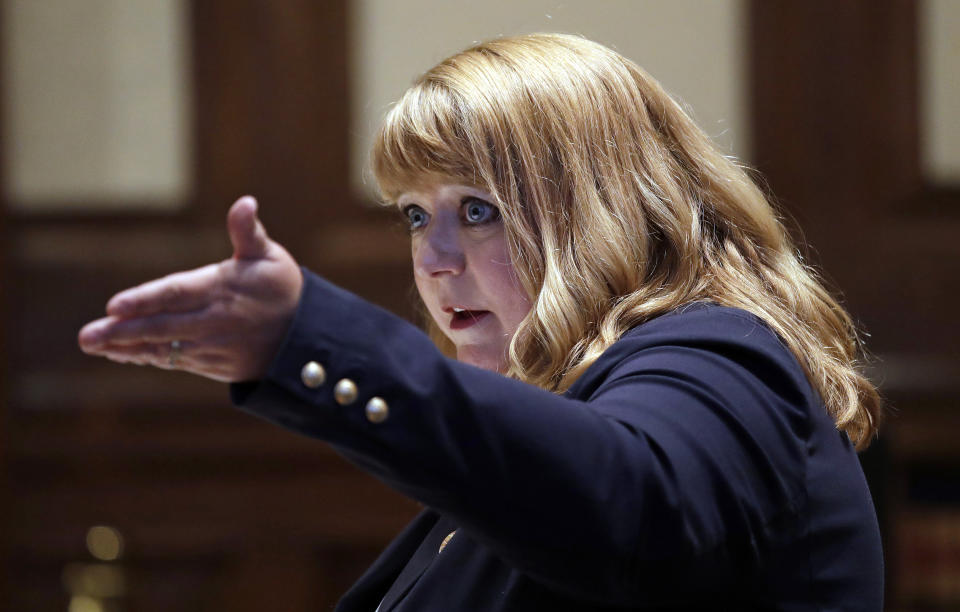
(438, 251)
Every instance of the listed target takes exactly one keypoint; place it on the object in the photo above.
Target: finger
(189, 357)
(91, 335)
(247, 234)
(180, 292)
(163, 356)
(141, 354)
(155, 329)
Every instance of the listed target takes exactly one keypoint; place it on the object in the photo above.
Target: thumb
(247, 234)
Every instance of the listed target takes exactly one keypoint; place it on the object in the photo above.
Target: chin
(482, 358)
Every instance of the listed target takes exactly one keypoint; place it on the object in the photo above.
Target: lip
(467, 319)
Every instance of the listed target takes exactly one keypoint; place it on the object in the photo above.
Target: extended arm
(670, 469)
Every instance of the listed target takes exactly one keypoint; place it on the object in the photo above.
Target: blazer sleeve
(677, 466)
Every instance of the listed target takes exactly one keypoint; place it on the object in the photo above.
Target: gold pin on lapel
(446, 541)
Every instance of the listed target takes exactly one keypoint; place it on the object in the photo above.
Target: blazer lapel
(366, 593)
(422, 558)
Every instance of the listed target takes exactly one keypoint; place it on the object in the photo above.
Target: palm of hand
(227, 320)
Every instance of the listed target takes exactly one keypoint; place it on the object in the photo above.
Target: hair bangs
(424, 137)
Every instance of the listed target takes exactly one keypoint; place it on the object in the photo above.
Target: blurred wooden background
(221, 512)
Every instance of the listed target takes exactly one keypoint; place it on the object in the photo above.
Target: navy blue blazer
(691, 467)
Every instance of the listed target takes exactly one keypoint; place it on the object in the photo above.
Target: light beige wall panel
(940, 90)
(96, 103)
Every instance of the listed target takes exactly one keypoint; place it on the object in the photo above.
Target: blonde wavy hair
(617, 208)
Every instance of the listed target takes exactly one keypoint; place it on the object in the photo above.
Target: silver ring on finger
(174, 356)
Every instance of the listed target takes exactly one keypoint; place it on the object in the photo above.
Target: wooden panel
(6, 492)
(272, 80)
(220, 511)
(836, 136)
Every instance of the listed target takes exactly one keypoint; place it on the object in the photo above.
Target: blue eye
(477, 211)
(416, 216)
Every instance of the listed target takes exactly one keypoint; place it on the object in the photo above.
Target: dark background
(221, 512)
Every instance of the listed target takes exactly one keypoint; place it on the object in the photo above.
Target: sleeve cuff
(320, 382)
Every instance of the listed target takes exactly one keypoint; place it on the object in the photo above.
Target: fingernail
(91, 335)
(252, 200)
(88, 341)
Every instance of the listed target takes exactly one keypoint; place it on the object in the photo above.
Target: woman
(654, 402)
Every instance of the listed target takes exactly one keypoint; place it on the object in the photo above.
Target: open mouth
(462, 319)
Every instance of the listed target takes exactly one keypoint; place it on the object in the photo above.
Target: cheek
(422, 289)
(415, 260)
(419, 281)
(516, 304)
(512, 301)
(427, 289)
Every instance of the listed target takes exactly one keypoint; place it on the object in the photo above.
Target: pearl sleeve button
(313, 375)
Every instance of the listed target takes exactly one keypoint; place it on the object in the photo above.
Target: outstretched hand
(224, 321)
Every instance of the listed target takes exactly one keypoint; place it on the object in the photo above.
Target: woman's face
(463, 270)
